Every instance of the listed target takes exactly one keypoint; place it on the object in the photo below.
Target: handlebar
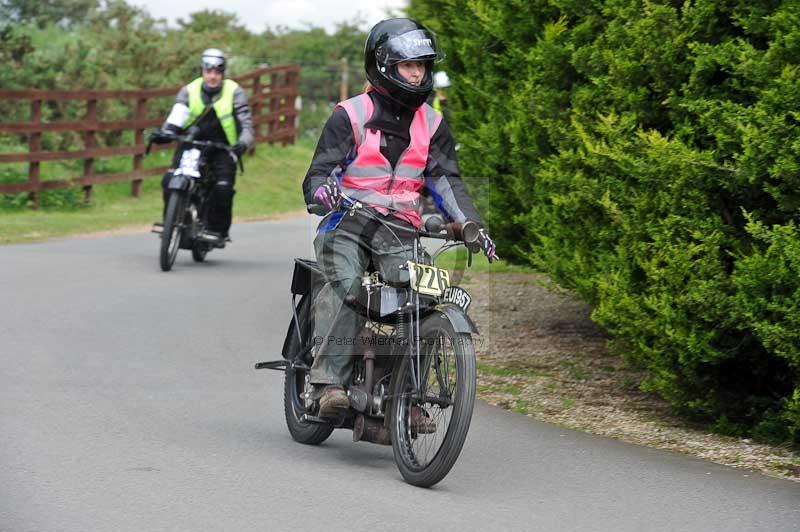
(316, 208)
(188, 139)
(466, 232)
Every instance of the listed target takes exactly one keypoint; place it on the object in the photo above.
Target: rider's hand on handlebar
(489, 248)
(328, 194)
(159, 136)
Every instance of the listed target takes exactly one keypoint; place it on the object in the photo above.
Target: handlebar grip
(316, 208)
(466, 232)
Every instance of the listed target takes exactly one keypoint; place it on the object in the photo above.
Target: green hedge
(647, 155)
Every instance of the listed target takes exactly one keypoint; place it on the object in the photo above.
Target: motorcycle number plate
(457, 296)
(428, 280)
(190, 163)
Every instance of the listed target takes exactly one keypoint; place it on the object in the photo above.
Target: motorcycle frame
(459, 320)
(197, 191)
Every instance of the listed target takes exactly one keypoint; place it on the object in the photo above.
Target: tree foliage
(79, 44)
(646, 153)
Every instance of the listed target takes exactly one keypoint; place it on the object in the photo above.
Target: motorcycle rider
(380, 147)
(212, 108)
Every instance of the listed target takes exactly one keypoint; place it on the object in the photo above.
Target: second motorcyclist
(212, 108)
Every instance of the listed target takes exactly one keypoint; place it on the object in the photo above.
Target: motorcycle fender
(458, 319)
(178, 182)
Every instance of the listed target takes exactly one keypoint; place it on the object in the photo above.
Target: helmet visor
(416, 45)
(213, 63)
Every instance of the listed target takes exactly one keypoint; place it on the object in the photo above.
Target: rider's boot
(333, 401)
(421, 423)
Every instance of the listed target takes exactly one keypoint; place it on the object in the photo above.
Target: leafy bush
(645, 154)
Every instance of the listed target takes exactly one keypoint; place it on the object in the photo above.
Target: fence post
(89, 142)
(293, 81)
(255, 110)
(136, 184)
(35, 145)
(273, 102)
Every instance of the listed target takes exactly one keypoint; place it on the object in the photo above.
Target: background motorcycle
(187, 203)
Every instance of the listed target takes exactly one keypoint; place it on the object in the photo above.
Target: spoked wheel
(199, 251)
(429, 423)
(294, 407)
(171, 232)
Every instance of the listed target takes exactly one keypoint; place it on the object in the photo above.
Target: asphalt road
(128, 402)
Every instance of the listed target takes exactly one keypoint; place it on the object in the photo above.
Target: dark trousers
(344, 255)
(220, 207)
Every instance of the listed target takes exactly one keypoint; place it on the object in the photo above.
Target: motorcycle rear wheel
(447, 398)
(293, 409)
(199, 251)
(171, 231)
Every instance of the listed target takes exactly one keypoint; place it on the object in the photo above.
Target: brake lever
(350, 204)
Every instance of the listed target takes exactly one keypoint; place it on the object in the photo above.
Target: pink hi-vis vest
(370, 178)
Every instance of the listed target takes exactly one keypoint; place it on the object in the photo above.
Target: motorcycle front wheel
(171, 231)
(432, 400)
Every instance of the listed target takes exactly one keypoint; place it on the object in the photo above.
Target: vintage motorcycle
(415, 357)
(186, 213)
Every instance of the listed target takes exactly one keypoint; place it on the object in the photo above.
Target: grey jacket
(241, 112)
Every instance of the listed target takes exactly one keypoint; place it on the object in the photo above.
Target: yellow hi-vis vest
(223, 106)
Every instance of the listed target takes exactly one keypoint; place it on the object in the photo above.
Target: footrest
(335, 421)
(211, 238)
(157, 228)
(279, 365)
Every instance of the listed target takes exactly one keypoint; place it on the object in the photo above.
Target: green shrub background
(646, 155)
(89, 44)
(80, 44)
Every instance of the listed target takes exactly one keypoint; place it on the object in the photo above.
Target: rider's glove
(328, 194)
(239, 148)
(489, 248)
(160, 136)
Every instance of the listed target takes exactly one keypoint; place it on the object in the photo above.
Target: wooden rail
(271, 95)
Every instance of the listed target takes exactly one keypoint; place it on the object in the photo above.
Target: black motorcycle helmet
(400, 39)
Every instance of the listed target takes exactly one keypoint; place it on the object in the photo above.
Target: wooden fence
(271, 94)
